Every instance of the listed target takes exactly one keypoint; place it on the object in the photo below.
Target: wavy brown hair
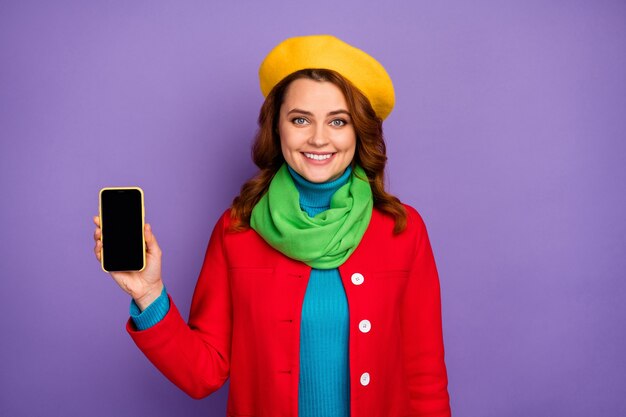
(370, 151)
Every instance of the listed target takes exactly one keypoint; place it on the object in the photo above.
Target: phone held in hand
(122, 225)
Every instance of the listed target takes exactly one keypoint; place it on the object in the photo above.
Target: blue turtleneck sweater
(324, 388)
(324, 384)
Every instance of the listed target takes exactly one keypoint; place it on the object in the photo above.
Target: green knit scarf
(324, 241)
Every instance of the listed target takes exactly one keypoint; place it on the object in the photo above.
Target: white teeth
(317, 157)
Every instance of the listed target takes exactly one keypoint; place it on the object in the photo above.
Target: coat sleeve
(422, 330)
(195, 356)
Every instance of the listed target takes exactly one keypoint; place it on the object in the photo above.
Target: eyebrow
(308, 113)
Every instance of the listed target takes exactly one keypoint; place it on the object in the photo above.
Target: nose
(318, 137)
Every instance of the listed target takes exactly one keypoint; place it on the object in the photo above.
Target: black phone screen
(122, 229)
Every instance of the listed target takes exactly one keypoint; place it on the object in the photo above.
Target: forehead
(304, 91)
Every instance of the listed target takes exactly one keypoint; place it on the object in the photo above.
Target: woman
(319, 294)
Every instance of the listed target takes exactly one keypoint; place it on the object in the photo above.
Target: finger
(97, 249)
(153, 245)
(96, 220)
(148, 234)
(97, 234)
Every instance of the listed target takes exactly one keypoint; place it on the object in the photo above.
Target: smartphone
(122, 224)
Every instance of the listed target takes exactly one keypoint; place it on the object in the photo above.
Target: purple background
(507, 136)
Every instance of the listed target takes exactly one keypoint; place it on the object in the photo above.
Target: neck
(315, 197)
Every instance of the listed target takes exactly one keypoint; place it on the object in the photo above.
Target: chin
(317, 174)
(319, 177)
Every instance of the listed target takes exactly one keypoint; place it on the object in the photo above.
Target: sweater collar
(317, 195)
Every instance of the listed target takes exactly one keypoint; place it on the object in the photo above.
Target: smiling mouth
(317, 157)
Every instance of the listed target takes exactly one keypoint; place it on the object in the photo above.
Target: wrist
(148, 298)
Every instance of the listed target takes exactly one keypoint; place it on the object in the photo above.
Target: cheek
(292, 139)
(284, 149)
(286, 143)
(284, 136)
(288, 146)
(352, 150)
(349, 143)
(351, 153)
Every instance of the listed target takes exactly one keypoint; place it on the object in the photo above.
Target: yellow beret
(327, 51)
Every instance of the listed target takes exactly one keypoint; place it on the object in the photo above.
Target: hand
(144, 286)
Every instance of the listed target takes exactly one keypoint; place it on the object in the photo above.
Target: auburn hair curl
(370, 151)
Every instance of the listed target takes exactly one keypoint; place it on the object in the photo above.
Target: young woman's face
(317, 137)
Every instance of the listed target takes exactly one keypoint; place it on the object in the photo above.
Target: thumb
(153, 246)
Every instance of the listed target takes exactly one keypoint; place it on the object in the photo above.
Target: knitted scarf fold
(324, 241)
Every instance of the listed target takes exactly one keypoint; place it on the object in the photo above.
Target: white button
(357, 279)
(365, 379)
(365, 326)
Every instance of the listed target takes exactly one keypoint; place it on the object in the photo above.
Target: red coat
(245, 323)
